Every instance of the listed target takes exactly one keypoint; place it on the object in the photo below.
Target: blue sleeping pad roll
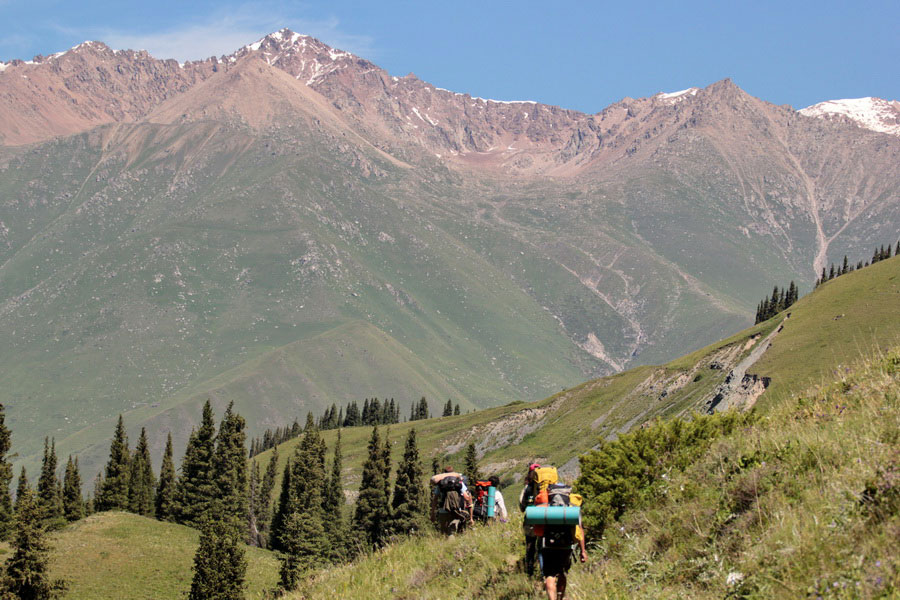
(552, 515)
(490, 502)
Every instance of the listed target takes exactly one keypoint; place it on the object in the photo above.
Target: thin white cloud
(225, 34)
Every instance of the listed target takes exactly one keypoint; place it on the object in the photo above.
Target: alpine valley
(290, 226)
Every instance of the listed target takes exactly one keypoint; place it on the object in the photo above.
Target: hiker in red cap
(526, 499)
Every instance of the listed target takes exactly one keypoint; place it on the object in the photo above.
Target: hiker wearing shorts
(555, 564)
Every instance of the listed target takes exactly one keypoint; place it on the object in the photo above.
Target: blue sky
(581, 55)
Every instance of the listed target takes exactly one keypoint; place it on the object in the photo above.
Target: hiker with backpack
(526, 499)
(555, 517)
(451, 503)
(487, 501)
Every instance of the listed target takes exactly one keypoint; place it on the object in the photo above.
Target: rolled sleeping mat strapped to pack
(552, 515)
(490, 502)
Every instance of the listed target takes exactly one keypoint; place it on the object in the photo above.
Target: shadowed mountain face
(290, 226)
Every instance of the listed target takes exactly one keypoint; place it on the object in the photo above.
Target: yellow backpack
(546, 476)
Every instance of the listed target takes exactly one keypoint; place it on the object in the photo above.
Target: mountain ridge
(150, 256)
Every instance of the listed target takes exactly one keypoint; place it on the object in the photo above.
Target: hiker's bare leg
(550, 585)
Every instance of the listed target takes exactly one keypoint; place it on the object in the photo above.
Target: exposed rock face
(87, 86)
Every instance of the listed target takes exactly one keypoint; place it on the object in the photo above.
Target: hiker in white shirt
(499, 504)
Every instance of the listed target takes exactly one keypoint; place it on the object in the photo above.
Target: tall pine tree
(230, 466)
(372, 508)
(6, 476)
(471, 461)
(264, 510)
(408, 503)
(114, 490)
(219, 563)
(73, 503)
(142, 482)
(196, 488)
(165, 490)
(303, 540)
(48, 486)
(26, 573)
(22, 486)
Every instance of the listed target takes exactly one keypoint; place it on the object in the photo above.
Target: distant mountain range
(291, 226)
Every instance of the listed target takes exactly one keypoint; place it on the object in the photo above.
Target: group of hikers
(552, 526)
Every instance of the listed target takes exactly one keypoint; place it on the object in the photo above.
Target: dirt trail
(739, 386)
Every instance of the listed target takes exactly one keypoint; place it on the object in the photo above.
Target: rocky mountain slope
(291, 226)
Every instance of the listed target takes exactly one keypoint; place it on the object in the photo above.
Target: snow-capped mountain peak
(871, 113)
(302, 56)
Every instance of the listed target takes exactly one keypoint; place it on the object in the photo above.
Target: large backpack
(450, 484)
(480, 499)
(553, 494)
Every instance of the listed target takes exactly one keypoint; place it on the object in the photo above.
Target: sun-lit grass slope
(804, 501)
(810, 346)
(846, 317)
(121, 555)
(481, 563)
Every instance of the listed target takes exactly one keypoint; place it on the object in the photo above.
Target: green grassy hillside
(121, 555)
(802, 502)
(809, 347)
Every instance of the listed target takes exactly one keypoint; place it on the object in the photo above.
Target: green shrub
(621, 475)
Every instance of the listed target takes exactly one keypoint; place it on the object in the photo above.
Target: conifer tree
(264, 511)
(304, 541)
(219, 564)
(303, 537)
(448, 409)
(165, 490)
(282, 509)
(845, 267)
(333, 498)
(386, 463)
(114, 493)
(824, 276)
(333, 506)
(371, 514)
(196, 488)
(6, 477)
(73, 503)
(435, 465)
(408, 502)
(142, 482)
(47, 488)
(98, 490)
(254, 537)
(230, 465)
(26, 574)
(21, 487)
(471, 462)
(897, 249)
(456, 409)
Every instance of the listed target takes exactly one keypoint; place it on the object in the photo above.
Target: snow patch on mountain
(3, 66)
(673, 97)
(871, 113)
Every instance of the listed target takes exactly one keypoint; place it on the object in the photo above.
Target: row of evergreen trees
(373, 412)
(784, 298)
(777, 302)
(880, 253)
